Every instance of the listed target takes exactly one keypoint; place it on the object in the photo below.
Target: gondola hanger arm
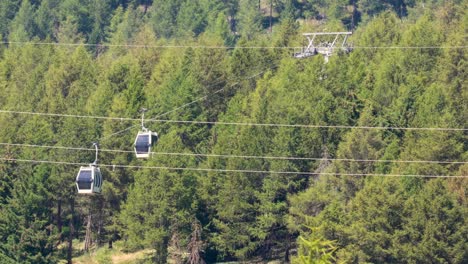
(143, 111)
(96, 146)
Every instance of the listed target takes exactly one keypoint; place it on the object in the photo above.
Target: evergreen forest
(261, 157)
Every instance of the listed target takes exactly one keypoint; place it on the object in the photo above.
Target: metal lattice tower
(325, 43)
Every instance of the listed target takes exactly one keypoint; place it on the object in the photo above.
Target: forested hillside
(261, 156)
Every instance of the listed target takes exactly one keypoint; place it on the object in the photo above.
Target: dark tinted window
(84, 180)
(142, 144)
(98, 178)
(142, 139)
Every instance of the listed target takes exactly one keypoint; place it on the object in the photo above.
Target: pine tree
(23, 26)
(250, 23)
(434, 227)
(28, 233)
(46, 18)
(8, 10)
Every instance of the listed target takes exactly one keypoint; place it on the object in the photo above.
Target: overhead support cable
(237, 123)
(227, 156)
(141, 46)
(235, 170)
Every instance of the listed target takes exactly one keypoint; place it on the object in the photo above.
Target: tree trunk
(352, 16)
(70, 233)
(59, 217)
(88, 241)
(288, 246)
(100, 222)
(98, 236)
(271, 15)
(195, 246)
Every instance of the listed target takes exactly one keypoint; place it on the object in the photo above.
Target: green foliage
(46, 18)
(8, 10)
(160, 204)
(241, 216)
(26, 229)
(23, 27)
(436, 223)
(191, 18)
(122, 27)
(314, 250)
(250, 22)
(162, 17)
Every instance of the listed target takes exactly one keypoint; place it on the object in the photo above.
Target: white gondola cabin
(89, 180)
(145, 139)
(144, 142)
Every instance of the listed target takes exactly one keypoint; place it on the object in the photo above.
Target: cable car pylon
(327, 46)
(89, 178)
(145, 139)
